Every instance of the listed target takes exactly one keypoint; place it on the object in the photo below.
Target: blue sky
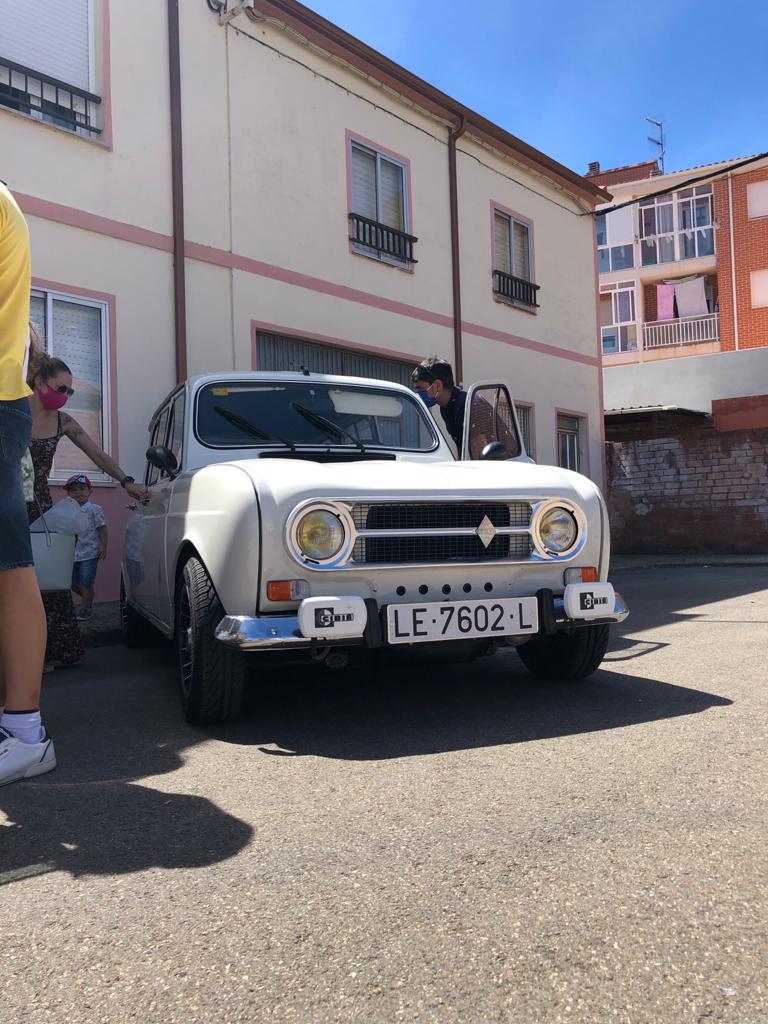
(576, 80)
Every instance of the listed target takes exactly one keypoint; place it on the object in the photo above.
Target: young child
(91, 545)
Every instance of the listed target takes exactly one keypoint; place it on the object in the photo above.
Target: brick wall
(678, 485)
(751, 245)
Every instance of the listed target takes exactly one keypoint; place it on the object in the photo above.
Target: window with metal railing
(47, 99)
(381, 240)
(379, 216)
(513, 261)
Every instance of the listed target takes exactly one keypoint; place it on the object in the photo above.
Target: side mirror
(495, 452)
(162, 458)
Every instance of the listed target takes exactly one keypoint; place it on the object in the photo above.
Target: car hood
(286, 482)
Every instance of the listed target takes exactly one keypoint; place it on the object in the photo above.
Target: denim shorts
(15, 432)
(84, 573)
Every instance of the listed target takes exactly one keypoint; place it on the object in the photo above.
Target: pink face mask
(52, 400)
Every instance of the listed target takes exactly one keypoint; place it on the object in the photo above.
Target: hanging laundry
(691, 298)
(665, 301)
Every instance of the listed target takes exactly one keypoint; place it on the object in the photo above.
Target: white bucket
(54, 555)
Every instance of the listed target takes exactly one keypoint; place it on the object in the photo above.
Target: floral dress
(64, 641)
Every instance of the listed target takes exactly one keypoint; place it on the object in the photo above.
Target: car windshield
(267, 413)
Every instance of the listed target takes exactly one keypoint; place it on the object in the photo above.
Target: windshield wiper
(330, 428)
(250, 428)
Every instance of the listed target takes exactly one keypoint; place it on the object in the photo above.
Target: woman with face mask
(51, 382)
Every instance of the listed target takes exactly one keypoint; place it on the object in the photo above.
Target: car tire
(211, 676)
(566, 656)
(135, 630)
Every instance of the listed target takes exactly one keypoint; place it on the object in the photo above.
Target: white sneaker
(24, 760)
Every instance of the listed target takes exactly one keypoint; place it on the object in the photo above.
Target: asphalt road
(447, 844)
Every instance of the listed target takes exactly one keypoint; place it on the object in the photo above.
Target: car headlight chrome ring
(320, 535)
(558, 530)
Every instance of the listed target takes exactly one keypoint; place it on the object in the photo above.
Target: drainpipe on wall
(733, 264)
(177, 193)
(454, 136)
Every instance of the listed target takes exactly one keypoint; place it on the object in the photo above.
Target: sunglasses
(63, 389)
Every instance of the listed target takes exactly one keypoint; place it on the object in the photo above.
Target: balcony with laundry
(668, 318)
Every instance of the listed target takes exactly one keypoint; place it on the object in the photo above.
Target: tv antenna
(658, 142)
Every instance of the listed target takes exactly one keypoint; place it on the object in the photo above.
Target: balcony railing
(385, 242)
(47, 99)
(690, 330)
(515, 289)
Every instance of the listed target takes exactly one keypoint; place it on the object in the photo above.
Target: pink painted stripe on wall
(207, 254)
(74, 218)
(527, 343)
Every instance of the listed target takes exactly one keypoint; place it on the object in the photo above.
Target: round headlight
(320, 535)
(558, 530)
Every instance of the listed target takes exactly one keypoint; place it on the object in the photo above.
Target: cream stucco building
(214, 190)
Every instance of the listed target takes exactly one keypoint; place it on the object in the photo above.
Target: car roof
(200, 380)
(294, 376)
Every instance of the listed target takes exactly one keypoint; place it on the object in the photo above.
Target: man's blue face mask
(427, 399)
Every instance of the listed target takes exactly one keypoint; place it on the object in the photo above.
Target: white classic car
(297, 513)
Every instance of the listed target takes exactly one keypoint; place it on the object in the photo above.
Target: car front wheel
(211, 675)
(566, 656)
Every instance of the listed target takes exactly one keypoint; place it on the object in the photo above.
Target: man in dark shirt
(433, 382)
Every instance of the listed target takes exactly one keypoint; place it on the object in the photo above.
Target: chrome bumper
(281, 632)
(250, 633)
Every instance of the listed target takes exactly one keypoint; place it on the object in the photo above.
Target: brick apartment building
(683, 296)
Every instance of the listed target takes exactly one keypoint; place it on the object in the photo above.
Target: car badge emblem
(486, 531)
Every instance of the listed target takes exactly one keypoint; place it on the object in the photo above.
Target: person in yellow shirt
(25, 748)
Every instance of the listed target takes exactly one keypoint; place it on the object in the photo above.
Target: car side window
(176, 429)
(157, 437)
(491, 419)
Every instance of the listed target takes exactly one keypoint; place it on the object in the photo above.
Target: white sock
(24, 725)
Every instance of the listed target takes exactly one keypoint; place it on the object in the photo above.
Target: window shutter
(76, 338)
(363, 173)
(501, 253)
(52, 38)
(37, 316)
(392, 205)
(522, 253)
(621, 226)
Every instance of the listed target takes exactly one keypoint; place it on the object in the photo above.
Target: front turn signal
(582, 574)
(287, 590)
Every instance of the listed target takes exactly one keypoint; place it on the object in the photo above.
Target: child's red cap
(78, 478)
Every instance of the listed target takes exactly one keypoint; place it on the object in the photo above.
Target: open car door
(491, 430)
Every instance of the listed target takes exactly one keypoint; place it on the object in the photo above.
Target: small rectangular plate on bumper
(332, 618)
(461, 620)
(589, 600)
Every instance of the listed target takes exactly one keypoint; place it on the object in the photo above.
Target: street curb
(716, 561)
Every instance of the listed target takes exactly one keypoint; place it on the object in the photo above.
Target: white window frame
(757, 199)
(511, 221)
(608, 248)
(614, 290)
(676, 200)
(380, 155)
(50, 296)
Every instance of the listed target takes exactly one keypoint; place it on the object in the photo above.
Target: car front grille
(439, 532)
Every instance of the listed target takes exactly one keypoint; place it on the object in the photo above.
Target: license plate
(460, 620)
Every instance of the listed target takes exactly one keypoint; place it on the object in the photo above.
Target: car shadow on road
(387, 713)
(91, 816)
